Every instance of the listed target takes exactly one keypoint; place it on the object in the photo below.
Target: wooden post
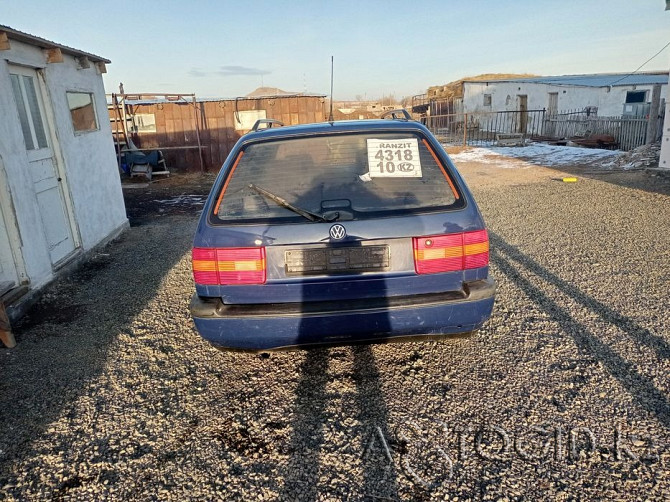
(6, 335)
(4, 41)
(197, 134)
(654, 112)
(83, 63)
(115, 132)
(124, 115)
(465, 129)
(121, 118)
(5, 329)
(54, 55)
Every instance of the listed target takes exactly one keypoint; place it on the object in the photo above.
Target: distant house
(60, 192)
(607, 94)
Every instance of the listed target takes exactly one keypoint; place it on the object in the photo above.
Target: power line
(638, 68)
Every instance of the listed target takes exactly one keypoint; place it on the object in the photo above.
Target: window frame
(215, 220)
(643, 93)
(29, 112)
(79, 132)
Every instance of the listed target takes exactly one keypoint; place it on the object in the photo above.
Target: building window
(145, 122)
(487, 100)
(82, 111)
(30, 114)
(636, 96)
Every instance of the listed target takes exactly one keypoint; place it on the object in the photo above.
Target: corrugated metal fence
(483, 128)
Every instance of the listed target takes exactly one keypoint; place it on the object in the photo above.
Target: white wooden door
(552, 105)
(41, 162)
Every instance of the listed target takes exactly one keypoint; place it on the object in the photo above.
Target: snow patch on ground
(539, 154)
(192, 200)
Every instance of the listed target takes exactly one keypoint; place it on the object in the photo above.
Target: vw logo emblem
(337, 232)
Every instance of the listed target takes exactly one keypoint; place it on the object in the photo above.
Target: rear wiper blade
(284, 203)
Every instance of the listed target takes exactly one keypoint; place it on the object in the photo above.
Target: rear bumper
(263, 327)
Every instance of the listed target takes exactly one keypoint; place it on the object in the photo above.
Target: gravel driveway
(563, 395)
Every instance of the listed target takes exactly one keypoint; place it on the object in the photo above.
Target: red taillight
(228, 265)
(475, 249)
(451, 252)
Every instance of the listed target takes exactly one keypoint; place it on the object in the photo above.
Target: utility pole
(330, 116)
(654, 113)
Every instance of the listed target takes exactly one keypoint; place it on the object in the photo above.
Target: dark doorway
(523, 115)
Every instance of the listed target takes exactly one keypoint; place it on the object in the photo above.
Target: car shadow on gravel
(312, 416)
(510, 261)
(65, 339)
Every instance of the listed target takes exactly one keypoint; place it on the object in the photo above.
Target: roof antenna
(330, 116)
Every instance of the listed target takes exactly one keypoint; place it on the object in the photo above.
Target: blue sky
(228, 48)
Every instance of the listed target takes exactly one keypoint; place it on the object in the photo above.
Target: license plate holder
(339, 260)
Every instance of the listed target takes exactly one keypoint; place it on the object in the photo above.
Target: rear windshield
(340, 177)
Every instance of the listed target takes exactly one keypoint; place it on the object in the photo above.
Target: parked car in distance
(339, 233)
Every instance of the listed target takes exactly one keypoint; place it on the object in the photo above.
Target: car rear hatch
(339, 218)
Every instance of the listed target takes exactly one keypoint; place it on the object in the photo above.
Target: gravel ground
(563, 395)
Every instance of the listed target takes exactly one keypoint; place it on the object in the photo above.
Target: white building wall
(504, 96)
(91, 182)
(90, 158)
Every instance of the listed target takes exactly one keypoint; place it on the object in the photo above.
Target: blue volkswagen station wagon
(339, 233)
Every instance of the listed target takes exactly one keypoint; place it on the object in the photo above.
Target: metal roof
(43, 43)
(594, 80)
(189, 99)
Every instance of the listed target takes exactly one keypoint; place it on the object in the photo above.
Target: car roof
(333, 127)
